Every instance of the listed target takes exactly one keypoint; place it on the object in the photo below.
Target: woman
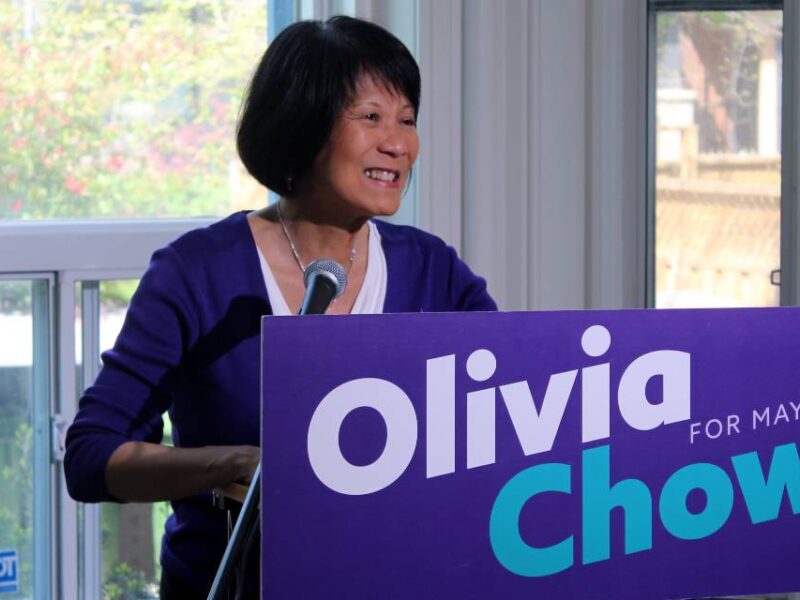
(330, 125)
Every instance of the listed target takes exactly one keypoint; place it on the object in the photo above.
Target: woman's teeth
(381, 175)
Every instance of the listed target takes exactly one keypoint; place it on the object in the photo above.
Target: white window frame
(42, 403)
(64, 253)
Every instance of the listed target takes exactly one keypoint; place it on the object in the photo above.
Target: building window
(717, 148)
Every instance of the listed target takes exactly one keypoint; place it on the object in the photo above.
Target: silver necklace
(296, 254)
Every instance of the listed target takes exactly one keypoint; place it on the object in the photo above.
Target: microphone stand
(241, 540)
(324, 280)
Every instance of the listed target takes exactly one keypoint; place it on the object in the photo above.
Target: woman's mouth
(382, 175)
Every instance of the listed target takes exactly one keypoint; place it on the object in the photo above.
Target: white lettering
(536, 430)
(480, 428)
(796, 409)
(694, 431)
(675, 405)
(762, 417)
(713, 425)
(325, 454)
(440, 433)
(596, 402)
(481, 365)
(8, 567)
(781, 414)
(595, 386)
(733, 423)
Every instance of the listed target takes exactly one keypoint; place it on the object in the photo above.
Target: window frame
(45, 470)
(66, 253)
(790, 157)
(789, 267)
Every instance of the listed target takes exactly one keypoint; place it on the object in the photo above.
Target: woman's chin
(389, 209)
(384, 208)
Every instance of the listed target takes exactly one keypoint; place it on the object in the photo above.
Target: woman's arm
(147, 472)
(112, 447)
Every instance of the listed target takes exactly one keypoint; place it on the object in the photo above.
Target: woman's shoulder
(408, 235)
(415, 259)
(222, 252)
(229, 234)
(411, 249)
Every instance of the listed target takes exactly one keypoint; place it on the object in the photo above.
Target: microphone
(325, 280)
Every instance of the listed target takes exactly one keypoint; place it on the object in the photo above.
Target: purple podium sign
(605, 455)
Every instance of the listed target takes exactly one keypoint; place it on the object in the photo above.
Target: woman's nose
(395, 142)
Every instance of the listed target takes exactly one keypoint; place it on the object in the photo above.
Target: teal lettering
(719, 501)
(600, 498)
(511, 550)
(762, 490)
(763, 496)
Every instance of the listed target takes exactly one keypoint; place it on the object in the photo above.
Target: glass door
(26, 471)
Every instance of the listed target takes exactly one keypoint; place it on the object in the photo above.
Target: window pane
(24, 449)
(125, 108)
(718, 162)
(130, 534)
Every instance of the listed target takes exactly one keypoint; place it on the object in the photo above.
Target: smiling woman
(360, 173)
(368, 160)
(329, 124)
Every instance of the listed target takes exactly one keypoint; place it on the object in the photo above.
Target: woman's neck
(317, 235)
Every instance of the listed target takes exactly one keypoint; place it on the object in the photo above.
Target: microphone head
(330, 269)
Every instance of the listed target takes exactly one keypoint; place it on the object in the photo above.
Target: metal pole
(236, 552)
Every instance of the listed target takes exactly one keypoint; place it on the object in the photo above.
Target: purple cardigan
(190, 346)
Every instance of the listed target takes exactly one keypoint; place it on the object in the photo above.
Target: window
(718, 80)
(25, 406)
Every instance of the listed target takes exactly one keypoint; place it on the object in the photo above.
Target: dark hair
(305, 79)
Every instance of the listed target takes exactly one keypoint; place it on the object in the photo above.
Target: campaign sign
(605, 455)
(9, 575)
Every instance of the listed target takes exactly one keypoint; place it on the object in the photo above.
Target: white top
(371, 295)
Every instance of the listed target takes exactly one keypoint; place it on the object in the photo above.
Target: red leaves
(76, 186)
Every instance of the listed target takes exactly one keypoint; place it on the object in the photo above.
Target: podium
(605, 455)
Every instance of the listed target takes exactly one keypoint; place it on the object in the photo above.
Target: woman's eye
(410, 122)
(371, 116)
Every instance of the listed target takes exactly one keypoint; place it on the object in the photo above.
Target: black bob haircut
(304, 81)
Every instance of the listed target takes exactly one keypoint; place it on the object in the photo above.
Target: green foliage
(117, 293)
(124, 583)
(122, 109)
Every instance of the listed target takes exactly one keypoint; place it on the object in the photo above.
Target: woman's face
(364, 167)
